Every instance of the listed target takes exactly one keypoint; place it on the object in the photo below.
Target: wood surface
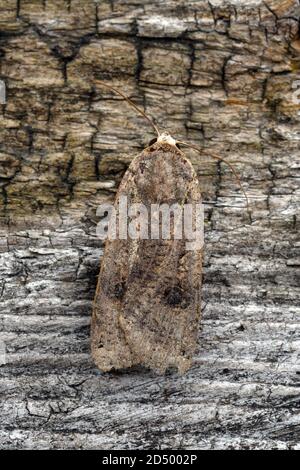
(219, 74)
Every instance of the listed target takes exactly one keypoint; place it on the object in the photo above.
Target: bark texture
(220, 74)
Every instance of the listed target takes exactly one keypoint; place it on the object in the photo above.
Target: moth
(147, 303)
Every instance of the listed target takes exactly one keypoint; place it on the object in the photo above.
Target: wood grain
(219, 74)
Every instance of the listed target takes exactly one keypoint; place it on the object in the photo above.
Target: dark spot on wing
(116, 291)
(176, 297)
(142, 166)
(119, 290)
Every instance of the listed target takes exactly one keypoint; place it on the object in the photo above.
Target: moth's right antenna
(131, 104)
(216, 157)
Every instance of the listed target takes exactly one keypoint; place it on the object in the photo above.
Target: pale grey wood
(219, 74)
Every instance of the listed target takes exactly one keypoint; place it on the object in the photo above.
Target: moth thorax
(165, 138)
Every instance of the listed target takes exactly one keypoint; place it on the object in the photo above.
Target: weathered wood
(219, 74)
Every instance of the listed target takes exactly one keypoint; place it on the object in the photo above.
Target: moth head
(165, 138)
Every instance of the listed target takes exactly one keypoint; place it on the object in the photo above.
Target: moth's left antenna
(131, 104)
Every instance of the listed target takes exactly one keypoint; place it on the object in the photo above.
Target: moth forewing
(147, 303)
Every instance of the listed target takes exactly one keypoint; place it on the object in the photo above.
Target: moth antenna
(131, 104)
(216, 157)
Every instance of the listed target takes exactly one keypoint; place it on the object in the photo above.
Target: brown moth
(147, 304)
